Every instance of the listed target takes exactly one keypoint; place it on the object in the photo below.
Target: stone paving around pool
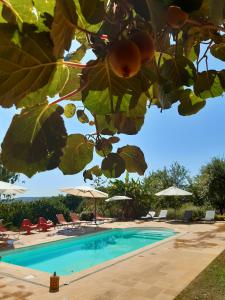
(157, 272)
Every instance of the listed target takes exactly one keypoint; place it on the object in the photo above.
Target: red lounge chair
(44, 225)
(28, 226)
(62, 221)
(76, 220)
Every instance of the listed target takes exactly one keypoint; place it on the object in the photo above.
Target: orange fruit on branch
(145, 44)
(176, 17)
(124, 58)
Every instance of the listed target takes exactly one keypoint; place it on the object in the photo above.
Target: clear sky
(165, 137)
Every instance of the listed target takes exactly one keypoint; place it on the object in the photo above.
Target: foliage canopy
(35, 66)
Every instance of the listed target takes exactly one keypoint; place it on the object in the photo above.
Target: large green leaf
(113, 166)
(85, 23)
(34, 140)
(25, 68)
(72, 83)
(77, 153)
(216, 11)
(218, 50)
(134, 159)
(54, 86)
(63, 26)
(93, 11)
(106, 93)
(32, 12)
(103, 147)
(208, 85)
(130, 122)
(190, 103)
(179, 71)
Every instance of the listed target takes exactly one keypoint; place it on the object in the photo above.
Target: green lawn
(210, 284)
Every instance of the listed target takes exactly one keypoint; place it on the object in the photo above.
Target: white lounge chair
(149, 215)
(209, 216)
(162, 215)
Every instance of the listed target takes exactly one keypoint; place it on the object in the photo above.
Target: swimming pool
(80, 253)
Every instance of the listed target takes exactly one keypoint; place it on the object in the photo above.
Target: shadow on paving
(200, 239)
(15, 295)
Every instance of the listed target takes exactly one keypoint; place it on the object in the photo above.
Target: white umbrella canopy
(118, 198)
(85, 192)
(173, 191)
(11, 189)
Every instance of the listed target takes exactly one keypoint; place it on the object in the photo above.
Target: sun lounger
(209, 216)
(104, 219)
(28, 226)
(76, 220)
(149, 215)
(62, 221)
(187, 216)
(162, 215)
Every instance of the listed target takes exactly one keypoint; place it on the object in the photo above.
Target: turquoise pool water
(80, 253)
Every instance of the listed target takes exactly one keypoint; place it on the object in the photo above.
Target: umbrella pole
(95, 211)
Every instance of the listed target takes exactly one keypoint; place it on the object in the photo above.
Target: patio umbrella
(118, 198)
(173, 191)
(11, 189)
(85, 192)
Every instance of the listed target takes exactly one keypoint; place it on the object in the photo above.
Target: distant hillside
(28, 199)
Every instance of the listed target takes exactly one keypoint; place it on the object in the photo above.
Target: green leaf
(131, 122)
(190, 103)
(77, 153)
(34, 140)
(54, 86)
(26, 68)
(72, 83)
(88, 174)
(218, 50)
(77, 55)
(23, 11)
(82, 117)
(208, 85)
(216, 11)
(106, 93)
(69, 110)
(83, 23)
(63, 26)
(180, 71)
(134, 159)
(105, 125)
(114, 139)
(103, 147)
(113, 166)
(93, 11)
(221, 75)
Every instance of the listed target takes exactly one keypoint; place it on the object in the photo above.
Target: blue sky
(165, 137)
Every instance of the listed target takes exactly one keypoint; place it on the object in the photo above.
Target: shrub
(87, 216)
(220, 217)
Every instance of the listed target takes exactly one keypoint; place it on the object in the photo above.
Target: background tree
(210, 184)
(156, 181)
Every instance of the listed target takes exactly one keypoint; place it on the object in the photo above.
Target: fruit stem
(73, 93)
(209, 26)
(74, 65)
(102, 36)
